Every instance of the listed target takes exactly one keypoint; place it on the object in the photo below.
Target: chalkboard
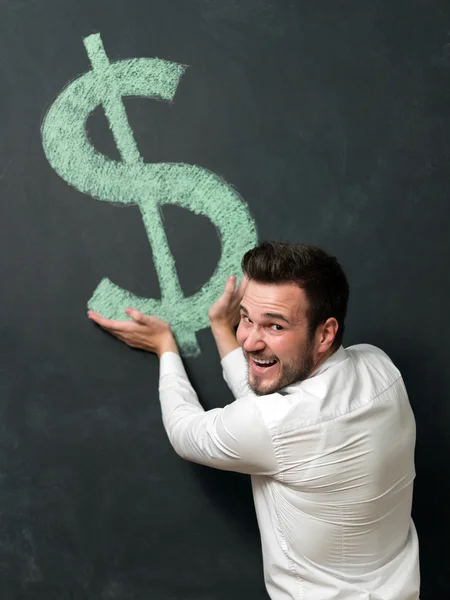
(324, 122)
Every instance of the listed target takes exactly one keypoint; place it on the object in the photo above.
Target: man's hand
(143, 332)
(224, 315)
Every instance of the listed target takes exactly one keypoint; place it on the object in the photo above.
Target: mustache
(259, 356)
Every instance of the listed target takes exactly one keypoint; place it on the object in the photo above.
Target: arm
(234, 438)
(224, 315)
(235, 373)
(224, 337)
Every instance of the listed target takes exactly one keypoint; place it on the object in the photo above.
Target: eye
(276, 327)
(245, 318)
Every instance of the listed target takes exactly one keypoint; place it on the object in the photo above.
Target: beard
(293, 372)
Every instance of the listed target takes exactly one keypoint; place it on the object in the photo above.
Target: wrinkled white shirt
(332, 466)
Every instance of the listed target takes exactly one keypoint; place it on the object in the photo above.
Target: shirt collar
(334, 359)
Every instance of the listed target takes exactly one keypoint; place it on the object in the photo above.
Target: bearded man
(326, 432)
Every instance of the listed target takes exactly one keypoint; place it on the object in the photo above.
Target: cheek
(241, 336)
(284, 348)
(276, 347)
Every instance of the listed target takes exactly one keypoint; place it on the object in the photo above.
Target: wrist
(225, 338)
(222, 329)
(168, 344)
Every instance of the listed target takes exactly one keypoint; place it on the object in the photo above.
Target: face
(273, 333)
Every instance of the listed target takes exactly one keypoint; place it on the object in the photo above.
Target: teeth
(263, 362)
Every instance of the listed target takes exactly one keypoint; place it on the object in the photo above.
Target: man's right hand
(224, 312)
(224, 315)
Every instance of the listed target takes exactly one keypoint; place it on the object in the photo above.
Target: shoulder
(367, 374)
(366, 350)
(368, 357)
(260, 411)
(351, 380)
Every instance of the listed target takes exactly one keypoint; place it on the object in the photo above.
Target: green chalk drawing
(131, 181)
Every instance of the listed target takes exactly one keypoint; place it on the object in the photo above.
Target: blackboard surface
(331, 120)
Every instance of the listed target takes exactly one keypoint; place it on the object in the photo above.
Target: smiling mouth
(261, 365)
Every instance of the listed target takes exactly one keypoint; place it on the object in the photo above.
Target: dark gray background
(331, 118)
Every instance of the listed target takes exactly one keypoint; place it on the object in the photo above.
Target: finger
(242, 287)
(110, 324)
(94, 316)
(230, 286)
(97, 318)
(143, 319)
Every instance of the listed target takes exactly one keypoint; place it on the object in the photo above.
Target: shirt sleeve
(234, 438)
(234, 368)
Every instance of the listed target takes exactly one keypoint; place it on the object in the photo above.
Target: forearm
(235, 373)
(225, 339)
(234, 366)
(233, 439)
(179, 401)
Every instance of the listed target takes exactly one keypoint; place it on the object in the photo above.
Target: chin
(263, 389)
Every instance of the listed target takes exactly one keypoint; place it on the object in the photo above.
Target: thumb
(136, 315)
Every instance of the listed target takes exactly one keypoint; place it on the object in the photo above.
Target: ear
(325, 335)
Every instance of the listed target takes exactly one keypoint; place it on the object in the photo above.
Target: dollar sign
(131, 181)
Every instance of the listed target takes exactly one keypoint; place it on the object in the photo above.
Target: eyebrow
(269, 315)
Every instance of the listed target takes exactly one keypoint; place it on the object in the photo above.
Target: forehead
(285, 298)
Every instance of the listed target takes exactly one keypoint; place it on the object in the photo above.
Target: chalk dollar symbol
(131, 181)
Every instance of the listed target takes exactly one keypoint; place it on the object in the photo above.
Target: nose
(253, 342)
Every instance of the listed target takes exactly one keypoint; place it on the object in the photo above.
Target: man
(326, 433)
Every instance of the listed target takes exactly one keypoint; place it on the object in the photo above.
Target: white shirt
(332, 466)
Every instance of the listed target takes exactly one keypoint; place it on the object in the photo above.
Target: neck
(321, 358)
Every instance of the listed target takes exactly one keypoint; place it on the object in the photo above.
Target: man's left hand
(143, 331)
